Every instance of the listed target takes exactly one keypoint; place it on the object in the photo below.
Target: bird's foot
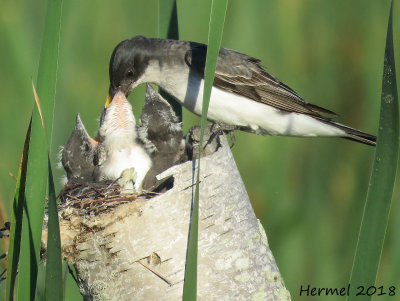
(211, 140)
(127, 181)
(218, 127)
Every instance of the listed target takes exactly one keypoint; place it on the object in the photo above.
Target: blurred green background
(308, 193)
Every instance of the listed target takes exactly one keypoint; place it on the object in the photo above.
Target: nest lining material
(97, 196)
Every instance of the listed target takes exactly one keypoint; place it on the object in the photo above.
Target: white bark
(136, 250)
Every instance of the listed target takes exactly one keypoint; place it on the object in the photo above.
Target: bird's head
(117, 120)
(128, 65)
(78, 153)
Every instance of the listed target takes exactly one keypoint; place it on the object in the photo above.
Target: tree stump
(136, 249)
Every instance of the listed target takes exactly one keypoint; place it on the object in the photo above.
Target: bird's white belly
(123, 158)
(263, 119)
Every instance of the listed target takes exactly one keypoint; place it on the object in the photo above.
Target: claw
(127, 180)
(218, 127)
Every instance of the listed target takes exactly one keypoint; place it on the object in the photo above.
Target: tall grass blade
(377, 206)
(37, 168)
(54, 274)
(168, 20)
(168, 29)
(16, 220)
(216, 25)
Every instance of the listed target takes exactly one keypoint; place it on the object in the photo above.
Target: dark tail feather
(370, 140)
(353, 134)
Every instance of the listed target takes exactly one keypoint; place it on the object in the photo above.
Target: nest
(88, 208)
(97, 196)
(93, 197)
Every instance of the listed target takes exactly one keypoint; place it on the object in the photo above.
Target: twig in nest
(72, 197)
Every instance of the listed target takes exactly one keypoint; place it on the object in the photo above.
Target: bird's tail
(355, 135)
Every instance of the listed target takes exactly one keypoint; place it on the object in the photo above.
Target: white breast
(122, 156)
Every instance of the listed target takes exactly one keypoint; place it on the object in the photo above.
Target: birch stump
(136, 250)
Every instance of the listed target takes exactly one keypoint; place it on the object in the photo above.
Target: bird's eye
(129, 73)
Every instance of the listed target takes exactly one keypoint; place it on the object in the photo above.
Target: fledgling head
(117, 120)
(162, 135)
(158, 115)
(77, 154)
(161, 129)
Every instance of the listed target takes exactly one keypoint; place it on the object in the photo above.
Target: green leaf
(37, 168)
(16, 221)
(377, 206)
(168, 20)
(54, 275)
(168, 29)
(217, 19)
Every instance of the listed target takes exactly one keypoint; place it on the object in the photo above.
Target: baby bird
(78, 154)
(119, 155)
(162, 135)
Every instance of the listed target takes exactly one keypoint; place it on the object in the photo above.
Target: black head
(128, 63)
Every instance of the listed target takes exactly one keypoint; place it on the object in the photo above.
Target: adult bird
(244, 95)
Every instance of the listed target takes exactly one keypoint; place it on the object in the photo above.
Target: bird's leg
(215, 131)
(218, 127)
(126, 180)
(233, 138)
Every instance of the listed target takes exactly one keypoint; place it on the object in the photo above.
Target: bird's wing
(244, 75)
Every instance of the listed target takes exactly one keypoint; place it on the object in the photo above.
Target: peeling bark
(136, 250)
